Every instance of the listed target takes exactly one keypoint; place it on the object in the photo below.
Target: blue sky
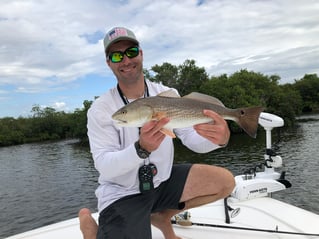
(51, 52)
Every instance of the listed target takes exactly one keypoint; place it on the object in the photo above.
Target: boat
(249, 212)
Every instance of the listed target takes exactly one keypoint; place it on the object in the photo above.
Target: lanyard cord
(125, 100)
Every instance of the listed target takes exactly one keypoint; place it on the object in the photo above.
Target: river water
(45, 183)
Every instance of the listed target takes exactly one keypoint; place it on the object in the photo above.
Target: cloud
(290, 64)
(47, 44)
(232, 35)
(59, 106)
(64, 39)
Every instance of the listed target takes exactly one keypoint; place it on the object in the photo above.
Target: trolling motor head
(270, 121)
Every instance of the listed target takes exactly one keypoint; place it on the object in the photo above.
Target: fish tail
(248, 120)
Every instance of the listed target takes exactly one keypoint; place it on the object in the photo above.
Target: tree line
(44, 124)
(240, 89)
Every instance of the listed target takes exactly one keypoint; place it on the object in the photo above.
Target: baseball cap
(118, 34)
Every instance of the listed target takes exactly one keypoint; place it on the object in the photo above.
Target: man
(128, 204)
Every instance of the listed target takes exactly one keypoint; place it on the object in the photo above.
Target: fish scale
(182, 112)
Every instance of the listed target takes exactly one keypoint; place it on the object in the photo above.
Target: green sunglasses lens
(118, 56)
(132, 52)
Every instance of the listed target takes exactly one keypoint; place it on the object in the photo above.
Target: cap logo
(117, 32)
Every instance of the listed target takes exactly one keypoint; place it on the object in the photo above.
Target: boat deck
(257, 218)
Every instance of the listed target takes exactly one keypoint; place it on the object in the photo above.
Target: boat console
(253, 184)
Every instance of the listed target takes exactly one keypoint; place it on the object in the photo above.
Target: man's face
(128, 70)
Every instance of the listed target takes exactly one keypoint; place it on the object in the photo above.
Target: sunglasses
(117, 56)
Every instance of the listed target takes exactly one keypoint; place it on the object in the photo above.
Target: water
(45, 183)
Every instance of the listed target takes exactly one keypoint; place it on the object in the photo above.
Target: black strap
(125, 100)
(226, 207)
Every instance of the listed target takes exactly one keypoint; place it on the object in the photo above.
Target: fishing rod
(245, 228)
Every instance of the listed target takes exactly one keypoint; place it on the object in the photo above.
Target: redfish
(183, 112)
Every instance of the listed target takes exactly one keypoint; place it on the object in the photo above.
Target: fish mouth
(119, 121)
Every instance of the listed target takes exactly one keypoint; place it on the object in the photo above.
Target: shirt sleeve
(106, 147)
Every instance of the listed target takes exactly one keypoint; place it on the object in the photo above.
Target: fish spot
(242, 112)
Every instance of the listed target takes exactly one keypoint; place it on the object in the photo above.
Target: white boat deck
(257, 218)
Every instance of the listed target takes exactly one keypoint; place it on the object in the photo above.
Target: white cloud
(45, 43)
(48, 42)
(59, 106)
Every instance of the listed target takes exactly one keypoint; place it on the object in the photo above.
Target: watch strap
(142, 153)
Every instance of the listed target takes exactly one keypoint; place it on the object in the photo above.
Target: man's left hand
(216, 131)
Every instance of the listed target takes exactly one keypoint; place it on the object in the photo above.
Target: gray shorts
(129, 217)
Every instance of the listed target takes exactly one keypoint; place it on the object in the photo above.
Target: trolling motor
(268, 122)
(254, 184)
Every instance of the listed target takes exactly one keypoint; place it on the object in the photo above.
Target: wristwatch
(142, 153)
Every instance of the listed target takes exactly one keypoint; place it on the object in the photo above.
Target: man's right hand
(150, 135)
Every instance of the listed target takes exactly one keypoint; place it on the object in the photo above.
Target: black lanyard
(125, 100)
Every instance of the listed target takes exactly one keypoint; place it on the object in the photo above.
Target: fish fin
(161, 115)
(248, 120)
(169, 93)
(204, 98)
(158, 115)
(168, 132)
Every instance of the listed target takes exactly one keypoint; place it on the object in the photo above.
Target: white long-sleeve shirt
(114, 154)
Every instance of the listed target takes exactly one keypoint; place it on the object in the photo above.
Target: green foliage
(308, 87)
(166, 74)
(186, 78)
(79, 121)
(11, 132)
(241, 89)
(44, 124)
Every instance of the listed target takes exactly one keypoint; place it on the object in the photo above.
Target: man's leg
(204, 184)
(88, 225)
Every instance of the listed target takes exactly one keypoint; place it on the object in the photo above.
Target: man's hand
(150, 135)
(216, 131)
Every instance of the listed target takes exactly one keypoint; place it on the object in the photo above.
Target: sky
(51, 52)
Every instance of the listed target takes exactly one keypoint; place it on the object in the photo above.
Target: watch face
(142, 153)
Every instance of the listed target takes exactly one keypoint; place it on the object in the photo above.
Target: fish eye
(124, 112)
